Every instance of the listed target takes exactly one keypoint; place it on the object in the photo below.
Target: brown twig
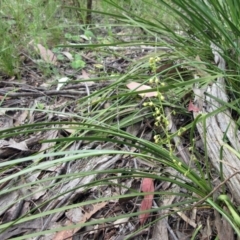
(41, 93)
(214, 190)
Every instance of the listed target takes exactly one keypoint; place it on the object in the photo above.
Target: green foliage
(77, 62)
(22, 22)
(188, 27)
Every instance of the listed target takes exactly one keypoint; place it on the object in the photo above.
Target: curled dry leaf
(139, 87)
(192, 107)
(146, 204)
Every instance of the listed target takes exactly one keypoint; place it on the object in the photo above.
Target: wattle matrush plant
(118, 157)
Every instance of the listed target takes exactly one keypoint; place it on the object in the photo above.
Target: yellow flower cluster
(152, 63)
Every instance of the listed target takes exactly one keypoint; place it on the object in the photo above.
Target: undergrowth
(113, 119)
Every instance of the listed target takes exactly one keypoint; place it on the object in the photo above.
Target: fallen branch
(218, 128)
(70, 93)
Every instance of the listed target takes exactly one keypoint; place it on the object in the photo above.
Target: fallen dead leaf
(85, 75)
(46, 54)
(67, 234)
(75, 215)
(51, 134)
(68, 55)
(121, 221)
(146, 204)
(5, 121)
(147, 185)
(96, 208)
(21, 117)
(192, 107)
(139, 87)
(22, 146)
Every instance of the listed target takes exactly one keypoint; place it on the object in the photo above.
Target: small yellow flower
(162, 97)
(151, 60)
(151, 80)
(194, 159)
(145, 104)
(158, 118)
(150, 104)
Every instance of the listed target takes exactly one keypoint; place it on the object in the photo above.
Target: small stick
(215, 189)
